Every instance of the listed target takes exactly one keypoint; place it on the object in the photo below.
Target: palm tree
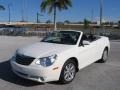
(2, 7)
(53, 5)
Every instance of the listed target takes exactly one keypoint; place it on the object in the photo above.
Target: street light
(38, 14)
(9, 9)
(101, 12)
(92, 15)
(23, 8)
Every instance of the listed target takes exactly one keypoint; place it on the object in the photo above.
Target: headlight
(46, 61)
(14, 56)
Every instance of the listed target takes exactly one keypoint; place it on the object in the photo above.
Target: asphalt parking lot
(97, 76)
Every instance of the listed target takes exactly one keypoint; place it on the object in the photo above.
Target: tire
(104, 56)
(68, 72)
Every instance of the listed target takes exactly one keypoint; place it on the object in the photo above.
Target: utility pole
(38, 14)
(23, 11)
(37, 17)
(92, 15)
(101, 12)
(9, 8)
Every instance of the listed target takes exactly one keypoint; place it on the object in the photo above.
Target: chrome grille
(24, 60)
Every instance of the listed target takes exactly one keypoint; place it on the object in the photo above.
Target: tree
(86, 23)
(48, 21)
(67, 21)
(60, 23)
(119, 24)
(2, 7)
(53, 5)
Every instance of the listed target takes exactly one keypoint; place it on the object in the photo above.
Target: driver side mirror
(86, 42)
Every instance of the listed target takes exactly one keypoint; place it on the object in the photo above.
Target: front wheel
(68, 72)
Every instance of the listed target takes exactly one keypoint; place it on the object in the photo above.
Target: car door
(87, 54)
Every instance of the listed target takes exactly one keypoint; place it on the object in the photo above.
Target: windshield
(62, 37)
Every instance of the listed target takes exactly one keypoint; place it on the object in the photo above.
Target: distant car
(59, 56)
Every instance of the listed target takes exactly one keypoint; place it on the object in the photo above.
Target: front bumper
(36, 72)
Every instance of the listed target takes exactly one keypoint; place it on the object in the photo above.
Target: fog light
(42, 79)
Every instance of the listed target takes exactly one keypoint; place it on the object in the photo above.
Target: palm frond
(46, 4)
(50, 8)
(68, 2)
(2, 7)
(50, 4)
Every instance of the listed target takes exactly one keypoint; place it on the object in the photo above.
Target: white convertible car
(59, 56)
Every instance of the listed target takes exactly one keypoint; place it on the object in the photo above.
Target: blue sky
(81, 9)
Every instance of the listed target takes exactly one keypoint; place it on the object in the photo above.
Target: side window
(84, 37)
(91, 38)
(87, 37)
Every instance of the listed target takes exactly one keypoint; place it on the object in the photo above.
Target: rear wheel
(104, 56)
(68, 72)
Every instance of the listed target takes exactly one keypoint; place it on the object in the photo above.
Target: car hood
(43, 49)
